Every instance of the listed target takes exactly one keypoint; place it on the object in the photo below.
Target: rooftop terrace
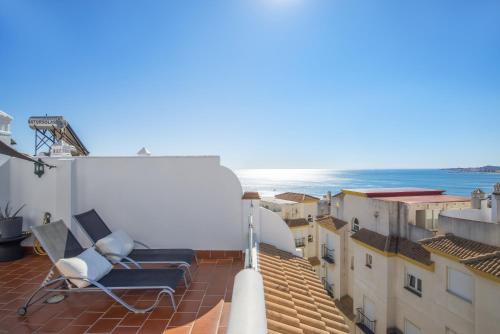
(203, 307)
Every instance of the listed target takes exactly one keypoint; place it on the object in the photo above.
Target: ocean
(319, 181)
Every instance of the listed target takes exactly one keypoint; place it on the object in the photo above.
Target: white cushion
(89, 264)
(118, 242)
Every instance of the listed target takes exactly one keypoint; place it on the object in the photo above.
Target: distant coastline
(269, 182)
(483, 169)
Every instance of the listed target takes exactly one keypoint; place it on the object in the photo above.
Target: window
(460, 284)
(420, 218)
(413, 284)
(309, 218)
(410, 328)
(368, 260)
(352, 262)
(355, 225)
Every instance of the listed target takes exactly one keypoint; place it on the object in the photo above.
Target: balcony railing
(328, 287)
(364, 323)
(300, 242)
(327, 254)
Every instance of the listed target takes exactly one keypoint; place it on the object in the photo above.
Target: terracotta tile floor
(202, 308)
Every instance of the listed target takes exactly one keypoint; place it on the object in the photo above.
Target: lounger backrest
(57, 240)
(93, 225)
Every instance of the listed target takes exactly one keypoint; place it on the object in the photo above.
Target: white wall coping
(248, 310)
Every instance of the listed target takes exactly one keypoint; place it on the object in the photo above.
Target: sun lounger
(60, 243)
(97, 229)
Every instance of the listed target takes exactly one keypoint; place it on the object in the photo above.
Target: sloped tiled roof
(394, 245)
(297, 197)
(487, 263)
(314, 261)
(296, 301)
(331, 223)
(251, 195)
(296, 222)
(457, 247)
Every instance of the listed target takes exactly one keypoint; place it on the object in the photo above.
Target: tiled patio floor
(203, 307)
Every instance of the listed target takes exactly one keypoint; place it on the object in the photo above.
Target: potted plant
(11, 225)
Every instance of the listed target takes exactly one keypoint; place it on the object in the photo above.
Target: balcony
(328, 287)
(203, 307)
(364, 323)
(300, 242)
(327, 254)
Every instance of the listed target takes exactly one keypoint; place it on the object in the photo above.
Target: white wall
(364, 209)
(372, 283)
(274, 231)
(191, 202)
(4, 180)
(487, 301)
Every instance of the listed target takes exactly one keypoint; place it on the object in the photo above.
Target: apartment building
(292, 205)
(298, 211)
(387, 282)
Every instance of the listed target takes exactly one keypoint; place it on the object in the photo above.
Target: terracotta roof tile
(488, 264)
(331, 223)
(297, 222)
(394, 245)
(296, 302)
(251, 195)
(457, 247)
(297, 197)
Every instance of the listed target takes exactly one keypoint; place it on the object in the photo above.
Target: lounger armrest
(123, 257)
(141, 244)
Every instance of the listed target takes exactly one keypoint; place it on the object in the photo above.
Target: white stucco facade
(174, 202)
(381, 291)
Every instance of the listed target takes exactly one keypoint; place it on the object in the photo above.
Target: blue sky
(262, 83)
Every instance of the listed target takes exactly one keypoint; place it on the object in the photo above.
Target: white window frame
(408, 322)
(369, 260)
(457, 293)
(408, 283)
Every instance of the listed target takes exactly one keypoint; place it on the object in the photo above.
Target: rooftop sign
(47, 122)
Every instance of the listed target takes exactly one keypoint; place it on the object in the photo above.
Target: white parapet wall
(273, 230)
(191, 202)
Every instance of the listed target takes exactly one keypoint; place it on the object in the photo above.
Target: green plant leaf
(15, 213)
(7, 210)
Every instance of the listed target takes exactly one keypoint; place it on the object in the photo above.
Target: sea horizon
(318, 181)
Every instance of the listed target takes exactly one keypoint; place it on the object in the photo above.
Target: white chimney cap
(144, 152)
(3, 114)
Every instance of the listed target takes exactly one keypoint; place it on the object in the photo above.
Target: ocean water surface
(319, 181)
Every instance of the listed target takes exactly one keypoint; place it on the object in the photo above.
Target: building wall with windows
(334, 242)
(487, 308)
(394, 305)
(371, 214)
(371, 285)
(434, 309)
(302, 235)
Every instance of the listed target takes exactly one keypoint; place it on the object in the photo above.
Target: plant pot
(11, 227)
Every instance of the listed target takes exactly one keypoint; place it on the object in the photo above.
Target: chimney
(144, 152)
(495, 204)
(5, 134)
(477, 196)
